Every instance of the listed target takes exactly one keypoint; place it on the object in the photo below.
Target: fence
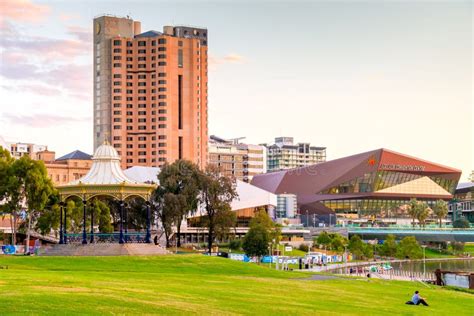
(382, 273)
(107, 238)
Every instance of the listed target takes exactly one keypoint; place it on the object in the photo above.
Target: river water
(431, 266)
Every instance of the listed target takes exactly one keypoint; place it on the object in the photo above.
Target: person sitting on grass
(417, 300)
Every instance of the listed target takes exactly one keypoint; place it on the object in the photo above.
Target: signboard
(397, 167)
(288, 248)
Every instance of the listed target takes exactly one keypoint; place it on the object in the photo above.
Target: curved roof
(143, 174)
(105, 168)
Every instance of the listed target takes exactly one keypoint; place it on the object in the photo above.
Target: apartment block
(67, 168)
(284, 154)
(236, 159)
(150, 92)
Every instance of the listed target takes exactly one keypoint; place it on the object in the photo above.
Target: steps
(132, 249)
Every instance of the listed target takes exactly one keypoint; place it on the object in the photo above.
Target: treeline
(408, 247)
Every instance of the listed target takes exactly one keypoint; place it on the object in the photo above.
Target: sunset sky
(349, 75)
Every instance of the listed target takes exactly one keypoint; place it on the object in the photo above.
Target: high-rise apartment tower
(150, 92)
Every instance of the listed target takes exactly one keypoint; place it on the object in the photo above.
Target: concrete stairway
(131, 249)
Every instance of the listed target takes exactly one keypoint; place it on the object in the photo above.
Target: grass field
(196, 284)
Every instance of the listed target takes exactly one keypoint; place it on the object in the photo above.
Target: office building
(380, 182)
(67, 168)
(284, 154)
(286, 206)
(236, 159)
(150, 92)
(17, 149)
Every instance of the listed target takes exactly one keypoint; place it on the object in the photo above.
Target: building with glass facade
(376, 182)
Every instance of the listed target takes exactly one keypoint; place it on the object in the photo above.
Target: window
(141, 84)
(117, 42)
(162, 96)
(180, 43)
(141, 65)
(161, 111)
(117, 90)
(141, 58)
(141, 90)
(117, 127)
(142, 51)
(129, 84)
(141, 98)
(162, 63)
(141, 105)
(161, 81)
(142, 153)
(142, 138)
(180, 58)
(141, 112)
(117, 83)
(141, 43)
(117, 50)
(153, 43)
(162, 41)
(161, 125)
(161, 89)
(117, 138)
(161, 103)
(117, 97)
(116, 105)
(117, 57)
(117, 76)
(129, 106)
(141, 145)
(142, 120)
(141, 76)
(129, 51)
(129, 146)
(162, 49)
(161, 56)
(141, 160)
(161, 144)
(117, 65)
(162, 118)
(129, 77)
(141, 127)
(117, 112)
(161, 74)
(129, 120)
(129, 44)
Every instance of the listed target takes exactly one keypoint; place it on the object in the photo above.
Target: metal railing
(136, 237)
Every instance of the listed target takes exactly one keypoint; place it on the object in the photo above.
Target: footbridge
(427, 234)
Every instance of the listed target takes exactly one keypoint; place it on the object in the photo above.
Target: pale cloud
(82, 33)
(38, 89)
(23, 11)
(227, 59)
(66, 17)
(42, 120)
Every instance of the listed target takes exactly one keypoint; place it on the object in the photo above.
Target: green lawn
(196, 284)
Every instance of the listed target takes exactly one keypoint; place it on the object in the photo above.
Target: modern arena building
(357, 187)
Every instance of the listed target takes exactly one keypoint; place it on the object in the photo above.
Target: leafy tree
(256, 241)
(33, 188)
(389, 247)
(356, 246)
(409, 248)
(49, 219)
(338, 243)
(235, 244)
(217, 192)
(413, 210)
(225, 220)
(9, 190)
(461, 223)
(162, 204)
(457, 246)
(440, 210)
(102, 216)
(323, 239)
(181, 179)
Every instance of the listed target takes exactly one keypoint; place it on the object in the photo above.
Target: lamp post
(148, 223)
(61, 240)
(121, 241)
(424, 261)
(307, 218)
(84, 234)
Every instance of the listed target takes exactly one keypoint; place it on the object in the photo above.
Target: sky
(352, 76)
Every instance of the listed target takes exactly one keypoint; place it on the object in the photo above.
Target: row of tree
(184, 190)
(419, 210)
(407, 247)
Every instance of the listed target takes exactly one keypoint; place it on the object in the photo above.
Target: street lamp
(424, 261)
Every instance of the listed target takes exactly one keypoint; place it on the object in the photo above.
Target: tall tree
(162, 206)
(9, 190)
(440, 210)
(423, 213)
(217, 192)
(413, 209)
(36, 187)
(181, 179)
(389, 247)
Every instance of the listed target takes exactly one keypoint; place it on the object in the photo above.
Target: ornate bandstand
(104, 179)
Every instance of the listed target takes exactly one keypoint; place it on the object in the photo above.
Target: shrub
(235, 244)
(461, 223)
(304, 247)
(457, 246)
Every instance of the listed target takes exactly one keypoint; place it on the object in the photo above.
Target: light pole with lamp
(424, 261)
